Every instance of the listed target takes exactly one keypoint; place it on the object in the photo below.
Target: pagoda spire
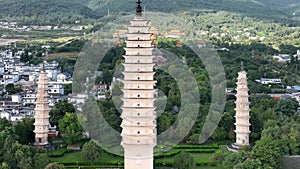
(242, 66)
(139, 10)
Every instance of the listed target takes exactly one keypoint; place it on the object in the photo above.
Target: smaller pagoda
(242, 124)
(41, 124)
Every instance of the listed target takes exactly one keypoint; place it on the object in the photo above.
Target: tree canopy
(90, 151)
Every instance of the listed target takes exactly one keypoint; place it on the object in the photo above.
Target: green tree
(70, 128)
(67, 89)
(233, 159)
(24, 131)
(41, 160)
(25, 57)
(90, 151)
(55, 166)
(287, 107)
(249, 164)
(4, 165)
(4, 123)
(267, 150)
(10, 88)
(107, 76)
(164, 122)
(60, 109)
(17, 155)
(184, 161)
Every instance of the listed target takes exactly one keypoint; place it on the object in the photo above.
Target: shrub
(57, 153)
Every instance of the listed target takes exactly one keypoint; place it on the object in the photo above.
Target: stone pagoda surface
(41, 124)
(139, 117)
(242, 116)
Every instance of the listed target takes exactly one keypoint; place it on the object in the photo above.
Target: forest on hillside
(67, 11)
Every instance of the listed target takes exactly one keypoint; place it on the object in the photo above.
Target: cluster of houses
(236, 36)
(24, 76)
(277, 93)
(286, 57)
(14, 27)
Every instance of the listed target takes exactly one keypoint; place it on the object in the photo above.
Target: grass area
(199, 158)
(74, 160)
(68, 55)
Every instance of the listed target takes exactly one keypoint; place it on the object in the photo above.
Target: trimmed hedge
(168, 154)
(87, 163)
(170, 164)
(213, 146)
(59, 152)
(177, 151)
(201, 151)
(96, 166)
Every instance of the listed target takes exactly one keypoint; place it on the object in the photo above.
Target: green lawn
(75, 157)
(73, 160)
(198, 158)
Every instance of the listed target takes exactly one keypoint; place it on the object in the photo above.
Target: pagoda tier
(141, 44)
(41, 124)
(138, 50)
(138, 76)
(242, 111)
(138, 59)
(138, 115)
(139, 37)
(138, 85)
(135, 29)
(138, 67)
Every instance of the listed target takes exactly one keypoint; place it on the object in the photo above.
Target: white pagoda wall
(138, 59)
(242, 111)
(41, 116)
(139, 116)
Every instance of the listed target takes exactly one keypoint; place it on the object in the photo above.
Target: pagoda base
(41, 145)
(138, 157)
(234, 147)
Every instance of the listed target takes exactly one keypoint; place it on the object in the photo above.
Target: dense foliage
(184, 161)
(60, 110)
(66, 11)
(91, 151)
(13, 154)
(35, 12)
(70, 128)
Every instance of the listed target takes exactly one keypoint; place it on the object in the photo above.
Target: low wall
(291, 162)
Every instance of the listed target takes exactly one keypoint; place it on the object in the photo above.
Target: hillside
(67, 11)
(248, 8)
(289, 7)
(45, 12)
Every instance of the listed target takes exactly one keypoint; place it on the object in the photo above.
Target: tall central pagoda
(41, 124)
(139, 116)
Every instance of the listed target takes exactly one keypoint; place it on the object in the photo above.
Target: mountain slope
(45, 12)
(287, 6)
(249, 8)
(67, 11)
